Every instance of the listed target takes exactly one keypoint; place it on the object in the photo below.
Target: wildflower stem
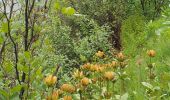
(122, 86)
(150, 70)
(108, 86)
(122, 90)
(150, 73)
(140, 74)
(113, 87)
(81, 96)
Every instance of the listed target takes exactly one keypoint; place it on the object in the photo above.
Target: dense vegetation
(84, 49)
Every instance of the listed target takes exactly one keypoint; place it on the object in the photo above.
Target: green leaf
(9, 66)
(68, 11)
(16, 89)
(25, 69)
(27, 55)
(4, 93)
(71, 10)
(117, 97)
(1, 39)
(4, 27)
(64, 10)
(57, 6)
(83, 58)
(147, 85)
(169, 86)
(124, 97)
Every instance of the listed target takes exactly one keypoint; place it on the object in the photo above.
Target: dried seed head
(151, 65)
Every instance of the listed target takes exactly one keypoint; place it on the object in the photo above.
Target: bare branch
(32, 6)
(11, 38)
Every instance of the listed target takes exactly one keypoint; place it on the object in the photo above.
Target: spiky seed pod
(151, 65)
(152, 76)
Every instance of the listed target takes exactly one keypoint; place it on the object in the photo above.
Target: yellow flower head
(109, 75)
(67, 98)
(85, 81)
(109, 65)
(78, 74)
(114, 63)
(101, 69)
(86, 66)
(48, 98)
(94, 67)
(120, 56)
(94, 80)
(55, 95)
(151, 53)
(68, 88)
(100, 54)
(50, 80)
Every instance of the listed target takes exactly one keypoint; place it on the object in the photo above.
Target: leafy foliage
(84, 49)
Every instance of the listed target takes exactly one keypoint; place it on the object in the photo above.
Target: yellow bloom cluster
(68, 88)
(120, 56)
(100, 54)
(109, 75)
(78, 74)
(85, 81)
(50, 80)
(86, 66)
(54, 96)
(67, 98)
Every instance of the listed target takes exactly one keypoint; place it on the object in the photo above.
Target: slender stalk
(28, 83)
(122, 89)
(150, 70)
(10, 37)
(81, 96)
(122, 86)
(107, 86)
(113, 87)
